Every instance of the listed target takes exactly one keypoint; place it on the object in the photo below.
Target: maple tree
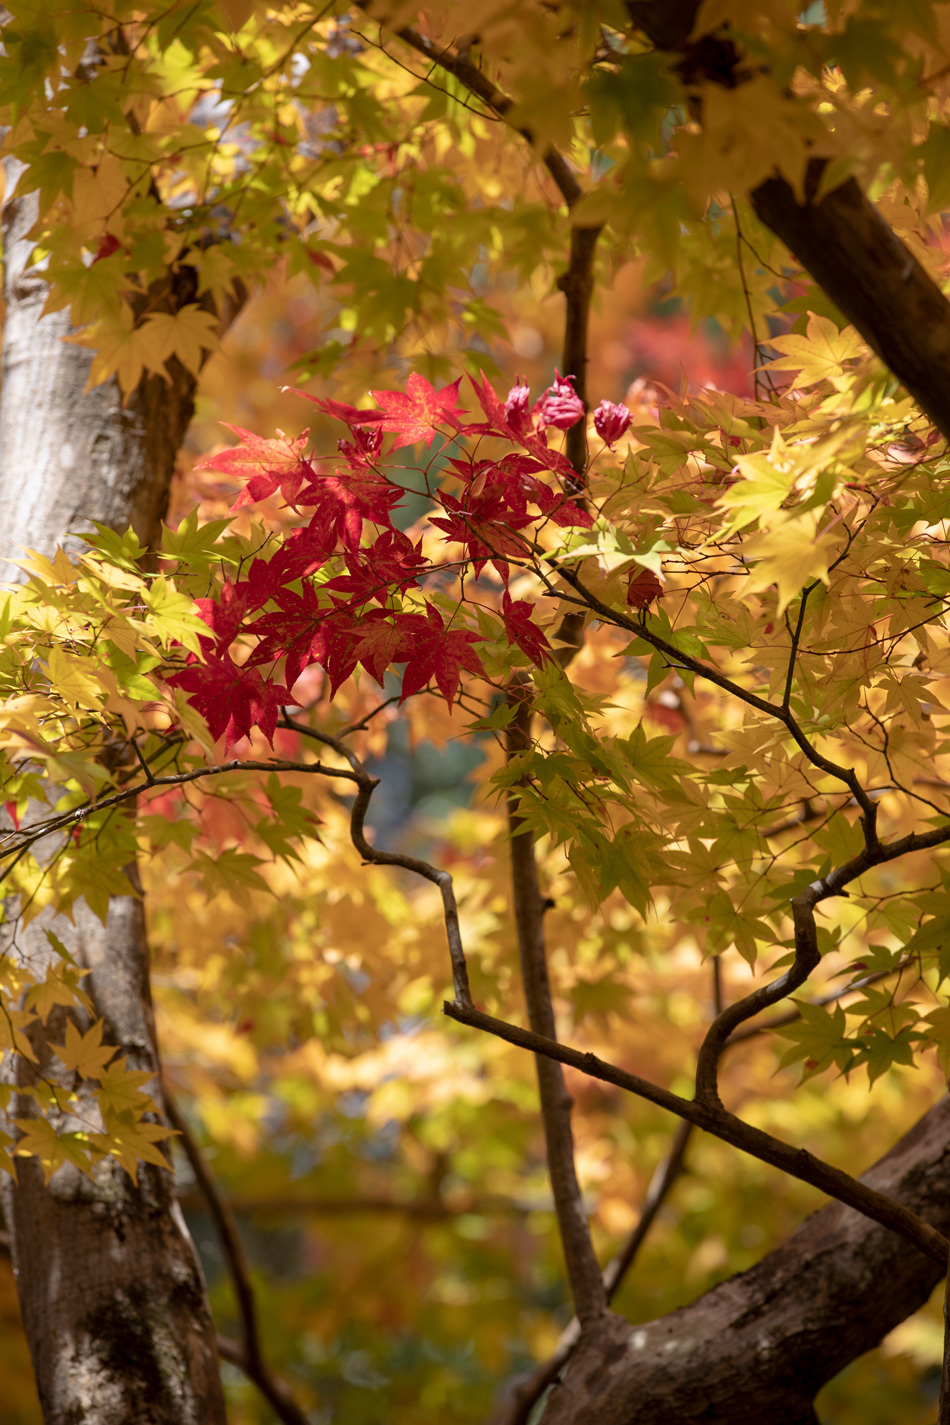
(690, 633)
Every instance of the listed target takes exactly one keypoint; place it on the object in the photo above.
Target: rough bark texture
(760, 1346)
(112, 1295)
(67, 458)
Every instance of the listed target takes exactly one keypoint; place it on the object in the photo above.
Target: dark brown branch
(577, 284)
(249, 1356)
(758, 1347)
(796, 1162)
(586, 1283)
(806, 959)
(841, 240)
(366, 785)
(753, 1031)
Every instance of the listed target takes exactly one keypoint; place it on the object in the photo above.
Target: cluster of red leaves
(281, 615)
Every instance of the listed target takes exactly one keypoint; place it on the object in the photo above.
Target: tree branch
(366, 785)
(248, 1356)
(796, 1162)
(841, 240)
(806, 959)
(760, 1346)
(477, 82)
(586, 1282)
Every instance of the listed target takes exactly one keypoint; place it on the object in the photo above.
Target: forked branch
(796, 1162)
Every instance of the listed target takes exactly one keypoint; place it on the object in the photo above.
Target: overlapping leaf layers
(781, 568)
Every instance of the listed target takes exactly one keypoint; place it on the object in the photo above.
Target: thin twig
(366, 785)
(680, 660)
(478, 83)
(753, 1031)
(248, 1356)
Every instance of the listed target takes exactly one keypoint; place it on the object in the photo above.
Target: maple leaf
(415, 414)
(439, 653)
(342, 502)
(382, 640)
(351, 415)
(521, 630)
(266, 465)
(225, 614)
(487, 527)
(560, 508)
(820, 354)
(41, 1141)
(643, 588)
(497, 421)
(184, 334)
(232, 700)
(302, 552)
(393, 563)
(296, 631)
(85, 1053)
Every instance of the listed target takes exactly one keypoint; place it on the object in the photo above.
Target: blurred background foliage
(387, 1168)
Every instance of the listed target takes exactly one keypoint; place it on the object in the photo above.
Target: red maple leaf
(497, 421)
(350, 415)
(266, 465)
(487, 527)
(392, 563)
(232, 700)
(644, 587)
(225, 614)
(439, 653)
(520, 629)
(295, 631)
(383, 640)
(560, 508)
(415, 414)
(344, 500)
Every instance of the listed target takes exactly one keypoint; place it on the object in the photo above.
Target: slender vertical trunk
(113, 1299)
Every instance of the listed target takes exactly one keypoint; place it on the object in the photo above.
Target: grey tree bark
(113, 1299)
(760, 1346)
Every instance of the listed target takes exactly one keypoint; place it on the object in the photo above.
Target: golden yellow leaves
(822, 354)
(749, 134)
(127, 349)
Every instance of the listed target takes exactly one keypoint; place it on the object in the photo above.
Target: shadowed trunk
(113, 1299)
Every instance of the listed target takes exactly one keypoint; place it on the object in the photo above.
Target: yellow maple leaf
(120, 349)
(85, 1053)
(121, 1089)
(80, 682)
(61, 986)
(791, 555)
(130, 1140)
(819, 355)
(40, 1140)
(185, 334)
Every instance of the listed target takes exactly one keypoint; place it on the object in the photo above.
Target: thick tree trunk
(760, 1346)
(113, 1300)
